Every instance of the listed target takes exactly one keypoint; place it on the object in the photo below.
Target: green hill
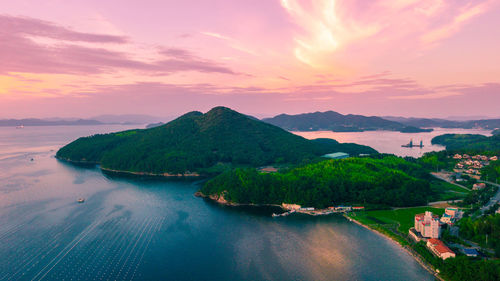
(388, 181)
(334, 121)
(202, 143)
(469, 142)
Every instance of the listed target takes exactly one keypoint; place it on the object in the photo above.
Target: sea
(391, 142)
(133, 228)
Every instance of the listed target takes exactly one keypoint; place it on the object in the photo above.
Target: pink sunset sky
(422, 58)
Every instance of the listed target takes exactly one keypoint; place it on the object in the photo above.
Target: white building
(428, 225)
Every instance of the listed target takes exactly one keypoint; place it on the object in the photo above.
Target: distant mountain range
(334, 121)
(97, 120)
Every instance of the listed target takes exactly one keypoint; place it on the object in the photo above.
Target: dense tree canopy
(469, 142)
(390, 181)
(199, 142)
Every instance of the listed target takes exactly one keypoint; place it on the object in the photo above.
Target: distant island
(334, 121)
(444, 123)
(152, 125)
(201, 144)
(468, 142)
(42, 122)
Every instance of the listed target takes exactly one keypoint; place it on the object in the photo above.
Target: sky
(421, 58)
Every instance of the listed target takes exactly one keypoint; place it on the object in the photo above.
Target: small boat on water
(411, 145)
(20, 127)
(81, 200)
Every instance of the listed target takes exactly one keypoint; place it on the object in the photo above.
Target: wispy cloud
(25, 27)
(437, 95)
(20, 53)
(326, 27)
(446, 30)
(233, 43)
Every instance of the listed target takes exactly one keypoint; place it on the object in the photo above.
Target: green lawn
(447, 191)
(402, 218)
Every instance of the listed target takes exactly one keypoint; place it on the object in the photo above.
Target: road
(445, 177)
(494, 199)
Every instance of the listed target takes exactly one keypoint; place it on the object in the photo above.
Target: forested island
(389, 181)
(334, 121)
(469, 142)
(198, 144)
(445, 123)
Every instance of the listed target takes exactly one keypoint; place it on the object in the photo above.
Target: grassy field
(447, 191)
(401, 219)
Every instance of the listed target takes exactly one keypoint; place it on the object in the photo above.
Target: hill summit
(202, 143)
(334, 121)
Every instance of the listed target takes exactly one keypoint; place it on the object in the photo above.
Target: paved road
(494, 199)
(444, 177)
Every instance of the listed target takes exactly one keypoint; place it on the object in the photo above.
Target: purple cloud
(19, 53)
(35, 27)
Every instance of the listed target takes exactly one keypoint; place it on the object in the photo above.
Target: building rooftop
(439, 246)
(336, 155)
(470, 252)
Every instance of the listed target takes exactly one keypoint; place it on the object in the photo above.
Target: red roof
(439, 246)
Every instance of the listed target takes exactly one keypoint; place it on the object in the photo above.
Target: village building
(291, 206)
(336, 155)
(438, 248)
(470, 252)
(451, 215)
(478, 186)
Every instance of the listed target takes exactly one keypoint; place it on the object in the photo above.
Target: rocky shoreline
(222, 201)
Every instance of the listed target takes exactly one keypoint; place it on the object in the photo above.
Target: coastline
(108, 170)
(222, 201)
(415, 255)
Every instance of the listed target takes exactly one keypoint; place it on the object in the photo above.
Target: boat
(20, 127)
(81, 200)
(411, 145)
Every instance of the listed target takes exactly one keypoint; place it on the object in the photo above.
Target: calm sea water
(140, 229)
(390, 142)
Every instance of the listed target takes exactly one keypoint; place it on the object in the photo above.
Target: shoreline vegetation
(397, 240)
(120, 172)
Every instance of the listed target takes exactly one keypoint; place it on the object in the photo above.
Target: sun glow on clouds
(324, 29)
(303, 52)
(329, 32)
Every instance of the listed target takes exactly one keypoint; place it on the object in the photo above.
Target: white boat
(20, 127)
(81, 200)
